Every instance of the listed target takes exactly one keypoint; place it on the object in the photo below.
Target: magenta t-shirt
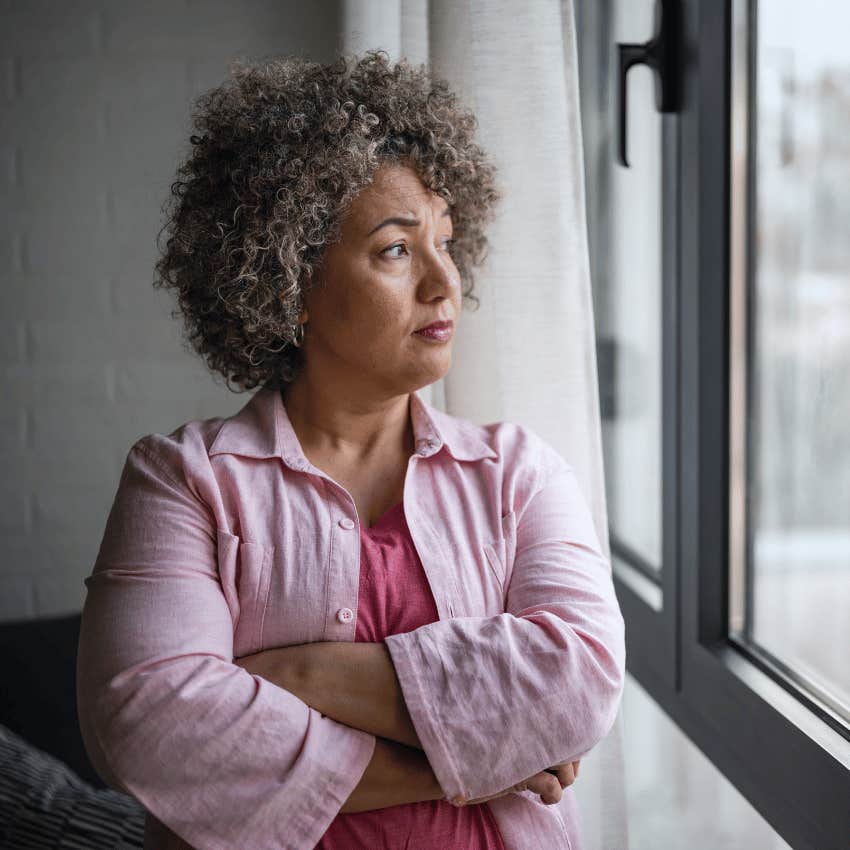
(394, 597)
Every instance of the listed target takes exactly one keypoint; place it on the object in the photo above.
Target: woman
(343, 618)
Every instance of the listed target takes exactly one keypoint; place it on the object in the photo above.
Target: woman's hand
(549, 784)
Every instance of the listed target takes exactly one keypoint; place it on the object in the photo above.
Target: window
(790, 417)
(721, 266)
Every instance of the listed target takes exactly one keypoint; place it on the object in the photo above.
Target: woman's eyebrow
(404, 222)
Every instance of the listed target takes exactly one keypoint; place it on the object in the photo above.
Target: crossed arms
(225, 757)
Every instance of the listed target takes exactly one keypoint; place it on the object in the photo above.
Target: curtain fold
(528, 354)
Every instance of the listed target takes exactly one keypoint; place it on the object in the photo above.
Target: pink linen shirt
(395, 597)
(223, 540)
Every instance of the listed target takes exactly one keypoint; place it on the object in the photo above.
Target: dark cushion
(38, 699)
(44, 804)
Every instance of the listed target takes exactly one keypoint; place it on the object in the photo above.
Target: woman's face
(381, 282)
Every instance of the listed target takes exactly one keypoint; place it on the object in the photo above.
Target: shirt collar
(262, 429)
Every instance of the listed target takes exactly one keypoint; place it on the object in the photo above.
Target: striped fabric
(44, 804)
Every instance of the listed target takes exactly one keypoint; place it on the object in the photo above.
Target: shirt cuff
(402, 648)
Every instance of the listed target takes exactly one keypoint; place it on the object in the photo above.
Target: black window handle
(661, 53)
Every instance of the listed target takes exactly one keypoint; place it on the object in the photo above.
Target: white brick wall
(95, 99)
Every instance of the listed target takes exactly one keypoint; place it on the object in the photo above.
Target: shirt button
(347, 523)
(345, 615)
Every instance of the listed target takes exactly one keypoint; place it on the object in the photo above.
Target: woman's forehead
(396, 183)
(395, 191)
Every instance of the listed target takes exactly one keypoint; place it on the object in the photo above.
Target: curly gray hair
(279, 151)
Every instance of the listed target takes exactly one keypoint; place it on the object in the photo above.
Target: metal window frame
(780, 747)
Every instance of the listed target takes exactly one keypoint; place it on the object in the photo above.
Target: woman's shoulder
(519, 451)
(502, 441)
(251, 430)
(182, 453)
(516, 442)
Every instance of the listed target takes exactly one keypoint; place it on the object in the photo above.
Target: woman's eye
(447, 242)
(393, 247)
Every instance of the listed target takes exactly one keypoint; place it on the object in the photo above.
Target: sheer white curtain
(528, 354)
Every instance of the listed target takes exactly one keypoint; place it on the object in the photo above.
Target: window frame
(786, 756)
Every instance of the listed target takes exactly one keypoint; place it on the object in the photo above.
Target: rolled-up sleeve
(221, 756)
(497, 699)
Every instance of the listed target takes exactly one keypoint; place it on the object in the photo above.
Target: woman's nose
(440, 274)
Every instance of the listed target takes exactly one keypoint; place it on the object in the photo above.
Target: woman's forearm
(353, 683)
(397, 774)
(356, 684)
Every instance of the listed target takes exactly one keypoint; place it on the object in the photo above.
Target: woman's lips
(438, 332)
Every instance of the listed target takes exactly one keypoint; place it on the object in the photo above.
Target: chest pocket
(245, 572)
(500, 553)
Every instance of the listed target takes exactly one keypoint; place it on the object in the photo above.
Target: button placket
(345, 615)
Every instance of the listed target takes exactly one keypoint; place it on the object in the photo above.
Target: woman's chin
(427, 372)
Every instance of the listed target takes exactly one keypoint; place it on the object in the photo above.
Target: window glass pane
(800, 376)
(624, 223)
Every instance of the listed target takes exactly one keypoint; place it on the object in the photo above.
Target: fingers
(549, 784)
(566, 773)
(546, 785)
(563, 774)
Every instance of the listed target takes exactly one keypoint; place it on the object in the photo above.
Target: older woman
(342, 618)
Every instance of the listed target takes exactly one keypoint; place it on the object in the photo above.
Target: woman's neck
(357, 431)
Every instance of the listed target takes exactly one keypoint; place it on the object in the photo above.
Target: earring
(298, 336)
